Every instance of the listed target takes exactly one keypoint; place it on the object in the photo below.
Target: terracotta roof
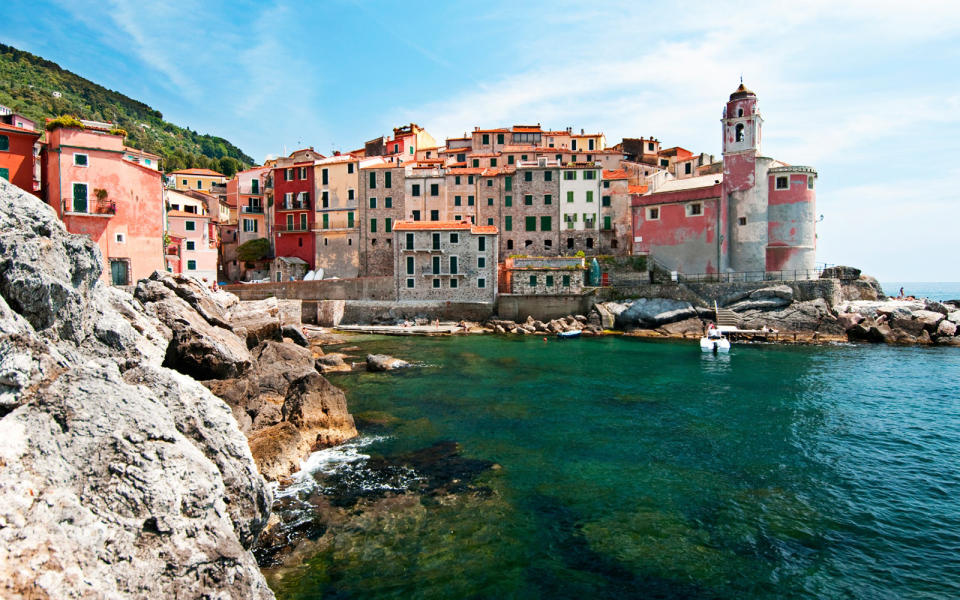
(637, 189)
(561, 132)
(519, 148)
(675, 151)
(443, 226)
(618, 174)
(183, 213)
(15, 129)
(494, 171)
(527, 128)
(140, 152)
(454, 150)
(498, 130)
(483, 155)
(459, 164)
(198, 172)
(466, 171)
(583, 135)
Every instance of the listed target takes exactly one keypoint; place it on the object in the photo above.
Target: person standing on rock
(901, 291)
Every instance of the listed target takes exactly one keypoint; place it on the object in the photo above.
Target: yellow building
(197, 179)
(337, 183)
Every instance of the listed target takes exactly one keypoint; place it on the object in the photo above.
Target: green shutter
(528, 199)
(350, 219)
(373, 180)
(545, 223)
(533, 281)
(548, 199)
(589, 195)
(508, 200)
(508, 223)
(373, 225)
(326, 220)
(508, 183)
(549, 280)
(566, 281)
(388, 225)
(5, 144)
(5, 174)
(530, 224)
(569, 196)
(606, 222)
(409, 265)
(387, 179)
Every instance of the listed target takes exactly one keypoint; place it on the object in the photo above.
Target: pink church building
(117, 202)
(757, 217)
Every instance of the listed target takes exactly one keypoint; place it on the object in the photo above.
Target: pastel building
(203, 180)
(755, 218)
(445, 261)
(580, 208)
(337, 180)
(118, 203)
(19, 152)
(194, 236)
(293, 207)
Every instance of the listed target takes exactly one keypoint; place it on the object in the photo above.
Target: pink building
(116, 202)
(196, 237)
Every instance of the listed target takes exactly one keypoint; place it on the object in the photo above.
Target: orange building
(116, 202)
(18, 156)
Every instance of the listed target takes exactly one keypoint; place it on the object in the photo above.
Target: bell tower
(741, 123)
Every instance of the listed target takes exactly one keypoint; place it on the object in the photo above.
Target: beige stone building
(445, 260)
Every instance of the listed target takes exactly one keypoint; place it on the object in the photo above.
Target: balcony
(295, 205)
(251, 210)
(89, 208)
(296, 228)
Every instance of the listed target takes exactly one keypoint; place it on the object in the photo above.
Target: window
(481, 244)
(570, 196)
(461, 157)
(436, 284)
(508, 223)
(573, 144)
(589, 242)
(546, 223)
(528, 176)
(489, 201)
(303, 172)
(589, 174)
(569, 242)
(434, 189)
(388, 202)
(388, 225)
(650, 146)
(4, 143)
(548, 199)
(190, 225)
(436, 241)
(589, 195)
(79, 160)
(783, 183)
(388, 179)
(509, 244)
(249, 225)
(664, 162)
(653, 214)
(739, 112)
(694, 209)
(533, 281)
(809, 182)
(349, 167)
(528, 200)
(453, 265)
(80, 197)
(434, 215)
(481, 283)
(410, 282)
(739, 134)
(469, 179)
(493, 163)
(373, 180)
(490, 221)
(289, 222)
(456, 180)
(453, 283)
(606, 223)
(122, 238)
(530, 224)
(499, 138)
(742, 221)
(409, 265)
(415, 190)
(199, 185)
(326, 221)
(606, 184)
(547, 243)
(510, 159)
(191, 265)
(687, 168)
(325, 197)
(605, 200)
(549, 280)
(489, 183)
(409, 245)
(508, 200)
(373, 202)
(287, 176)
(456, 201)
(481, 262)
(508, 183)
(416, 215)
(303, 224)
(325, 176)
(569, 175)
(548, 175)
(485, 138)
(476, 163)
(350, 194)
(191, 245)
(566, 281)
(454, 238)
(373, 225)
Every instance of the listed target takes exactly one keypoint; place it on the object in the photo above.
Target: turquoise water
(634, 468)
(939, 291)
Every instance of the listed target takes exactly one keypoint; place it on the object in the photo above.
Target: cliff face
(118, 476)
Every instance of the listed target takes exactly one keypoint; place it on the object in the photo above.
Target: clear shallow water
(634, 468)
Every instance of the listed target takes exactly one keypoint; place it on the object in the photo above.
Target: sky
(868, 93)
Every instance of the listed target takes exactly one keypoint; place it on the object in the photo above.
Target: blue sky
(866, 92)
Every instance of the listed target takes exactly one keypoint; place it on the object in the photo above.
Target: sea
(938, 291)
(621, 467)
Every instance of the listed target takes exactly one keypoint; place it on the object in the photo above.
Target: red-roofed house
(450, 261)
(197, 179)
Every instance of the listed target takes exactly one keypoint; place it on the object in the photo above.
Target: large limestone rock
(277, 450)
(767, 298)
(653, 312)
(384, 362)
(279, 363)
(319, 410)
(840, 272)
(260, 319)
(810, 315)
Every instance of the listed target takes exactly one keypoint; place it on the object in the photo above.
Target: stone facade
(446, 260)
(545, 276)
(530, 211)
(382, 204)
(616, 227)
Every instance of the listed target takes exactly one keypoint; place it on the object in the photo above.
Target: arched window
(739, 137)
(739, 112)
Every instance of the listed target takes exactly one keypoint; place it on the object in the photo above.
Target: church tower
(744, 210)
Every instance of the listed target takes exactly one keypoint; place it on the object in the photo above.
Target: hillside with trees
(28, 84)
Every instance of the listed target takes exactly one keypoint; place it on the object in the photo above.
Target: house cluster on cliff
(530, 190)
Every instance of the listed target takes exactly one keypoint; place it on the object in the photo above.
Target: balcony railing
(256, 210)
(296, 228)
(295, 205)
(93, 208)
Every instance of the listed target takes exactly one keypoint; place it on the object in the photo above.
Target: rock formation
(119, 477)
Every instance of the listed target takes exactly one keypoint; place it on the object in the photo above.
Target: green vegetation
(253, 250)
(64, 121)
(28, 83)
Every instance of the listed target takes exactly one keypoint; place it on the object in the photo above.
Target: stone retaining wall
(359, 288)
(517, 307)
(368, 312)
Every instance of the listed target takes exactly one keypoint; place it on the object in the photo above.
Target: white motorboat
(714, 342)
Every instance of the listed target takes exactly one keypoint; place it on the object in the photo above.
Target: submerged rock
(383, 362)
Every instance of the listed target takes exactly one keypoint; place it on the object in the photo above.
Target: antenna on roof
(741, 78)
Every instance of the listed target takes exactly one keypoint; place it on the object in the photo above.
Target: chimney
(581, 131)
